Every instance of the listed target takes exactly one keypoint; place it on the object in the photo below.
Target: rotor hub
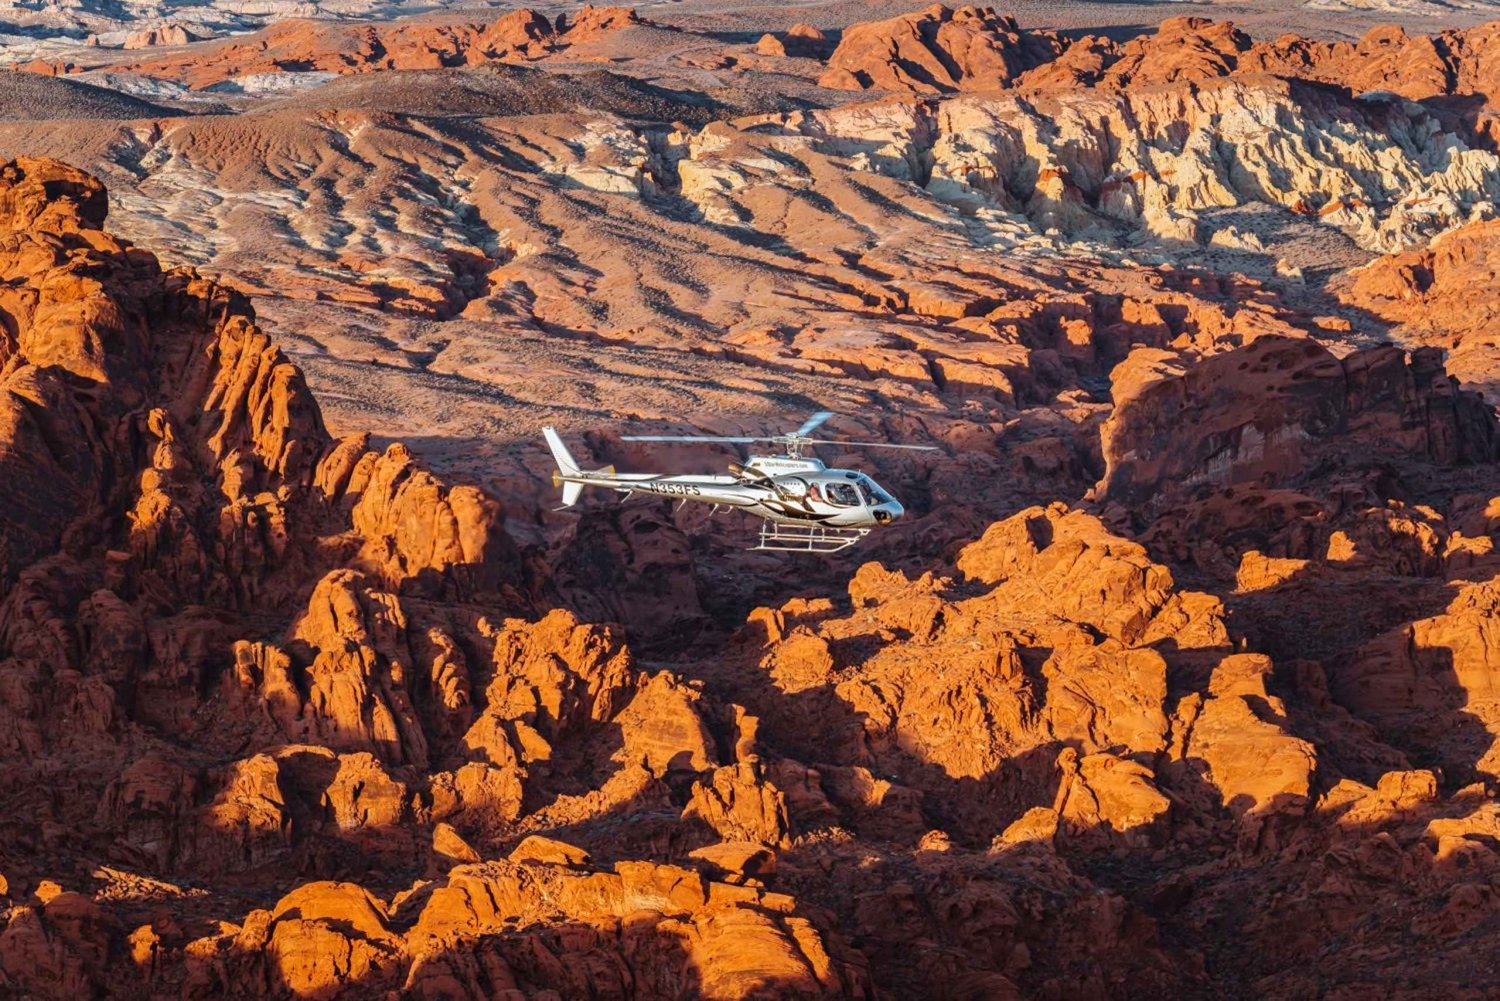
(794, 446)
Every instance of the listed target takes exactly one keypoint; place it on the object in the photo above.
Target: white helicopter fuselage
(781, 489)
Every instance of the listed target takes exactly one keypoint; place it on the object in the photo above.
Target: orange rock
(264, 663)
(738, 859)
(362, 795)
(1258, 571)
(1280, 406)
(800, 40)
(1428, 681)
(1427, 292)
(546, 850)
(959, 694)
(324, 936)
(450, 844)
(1101, 797)
(1183, 48)
(937, 50)
(737, 803)
(1047, 553)
(1258, 767)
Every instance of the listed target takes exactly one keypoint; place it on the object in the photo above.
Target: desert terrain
(1178, 678)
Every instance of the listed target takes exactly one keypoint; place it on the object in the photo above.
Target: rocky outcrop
(641, 929)
(1158, 161)
(1429, 688)
(286, 656)
(1427, 296)
(992, 704)
(1277, 412)
(163, 35)
(937, 50)
(1067, 155)
(800, 41)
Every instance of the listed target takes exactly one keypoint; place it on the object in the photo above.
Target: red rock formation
(302, 46)
(1030, 678)
(196, 500)
(1428, 686)
(1429, 296)
(288, 717)
(937, 50)
(1275, 412)
(1183, 48)
(799, 41)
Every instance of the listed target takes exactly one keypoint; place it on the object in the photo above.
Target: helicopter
(804, 506)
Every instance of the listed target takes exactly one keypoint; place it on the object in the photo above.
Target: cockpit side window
(841, 494)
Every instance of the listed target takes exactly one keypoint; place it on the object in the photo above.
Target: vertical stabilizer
(560, 454)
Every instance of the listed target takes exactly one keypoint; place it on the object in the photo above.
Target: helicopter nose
(889, 512)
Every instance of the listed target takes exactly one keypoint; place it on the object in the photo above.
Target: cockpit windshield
(871, 490)
(856, 489)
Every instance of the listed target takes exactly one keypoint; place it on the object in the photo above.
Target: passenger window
(842, 494)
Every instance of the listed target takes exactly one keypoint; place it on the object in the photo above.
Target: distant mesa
(934, 51)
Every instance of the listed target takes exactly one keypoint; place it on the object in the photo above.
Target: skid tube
(777, 537)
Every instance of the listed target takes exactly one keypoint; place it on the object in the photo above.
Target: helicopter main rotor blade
(812, 424)
(670, 437)
(869, 444)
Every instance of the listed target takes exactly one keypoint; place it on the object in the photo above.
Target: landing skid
(777, 537)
